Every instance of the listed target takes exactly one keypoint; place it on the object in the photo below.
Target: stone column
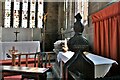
(51, 25)
(1, 20)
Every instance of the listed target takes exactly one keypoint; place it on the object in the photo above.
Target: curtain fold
(107, 32)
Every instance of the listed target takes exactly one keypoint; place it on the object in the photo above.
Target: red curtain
(107, 31)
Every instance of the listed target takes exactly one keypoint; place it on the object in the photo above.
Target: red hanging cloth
(107, 31)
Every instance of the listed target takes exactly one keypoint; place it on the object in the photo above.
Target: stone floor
(50, 76)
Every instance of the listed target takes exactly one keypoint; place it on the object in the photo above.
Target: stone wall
(9, 35)
(0, 21)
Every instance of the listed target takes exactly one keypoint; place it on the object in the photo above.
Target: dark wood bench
(37, 61)
(34, 72)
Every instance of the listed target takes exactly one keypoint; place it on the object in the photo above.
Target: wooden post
(13, 60)
(26, 60)
(19, 60)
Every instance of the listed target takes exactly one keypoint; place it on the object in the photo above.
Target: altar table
(22, 47)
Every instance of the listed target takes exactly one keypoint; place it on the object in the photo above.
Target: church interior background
(47, 21)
